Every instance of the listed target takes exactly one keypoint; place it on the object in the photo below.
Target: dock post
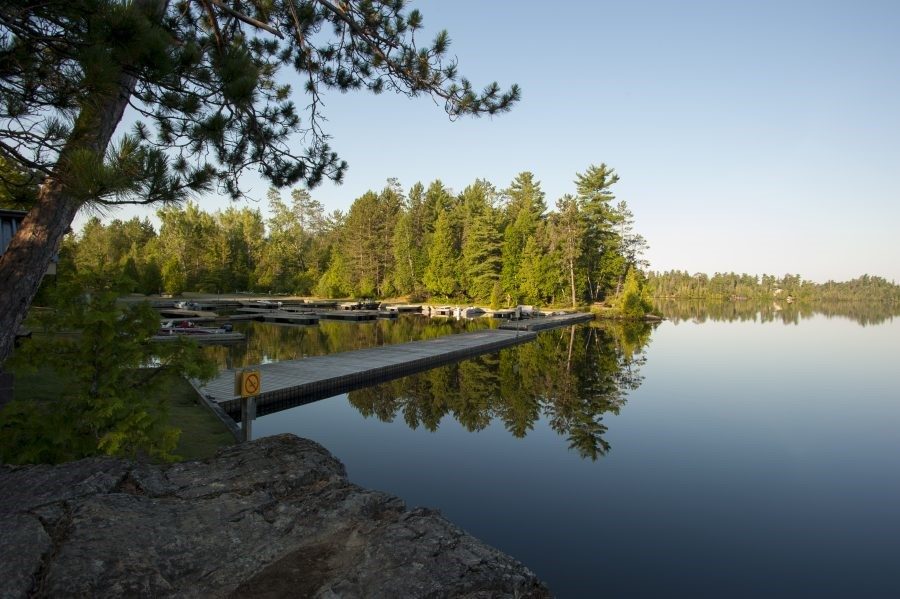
(248, 415)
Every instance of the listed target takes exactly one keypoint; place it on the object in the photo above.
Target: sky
(758, 137)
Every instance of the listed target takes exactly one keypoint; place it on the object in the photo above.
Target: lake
(713, 455)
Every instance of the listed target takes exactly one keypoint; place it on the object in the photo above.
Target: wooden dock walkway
(282, 317)
(347, 315)
(293, 382)
(547, 322)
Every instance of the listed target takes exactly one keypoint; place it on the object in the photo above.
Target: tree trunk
(29, 253)
(572, 282)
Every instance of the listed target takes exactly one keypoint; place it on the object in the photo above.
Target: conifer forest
(483, 244)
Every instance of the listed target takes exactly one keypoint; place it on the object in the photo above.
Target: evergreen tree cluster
(678, 284)
(485, 245)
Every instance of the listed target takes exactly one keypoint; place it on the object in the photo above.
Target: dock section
(283, 317)
(546, 322)
(297, 381)
(347, 315)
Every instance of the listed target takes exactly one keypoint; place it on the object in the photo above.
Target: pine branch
(249, 20)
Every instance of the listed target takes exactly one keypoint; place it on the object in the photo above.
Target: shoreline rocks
(274, 517)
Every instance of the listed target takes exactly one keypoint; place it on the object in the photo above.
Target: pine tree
(367, 239)
(335, 281)
(440, 275)
(437, 200)
(532, 273)
(631, 303)
(632, 245)
(481, 256)
(524, 209)
(204, 79)
(566, 232)
(107, 407)
(410, 243)
(600, 237)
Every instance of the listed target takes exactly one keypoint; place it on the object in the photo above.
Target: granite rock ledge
(275, 517)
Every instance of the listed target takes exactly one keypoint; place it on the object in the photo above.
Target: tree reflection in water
(699, 311)
(571, 377)
(274, 343)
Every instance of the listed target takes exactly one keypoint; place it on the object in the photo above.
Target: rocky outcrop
(275, 517)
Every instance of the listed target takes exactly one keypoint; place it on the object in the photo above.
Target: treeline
(730, 286)
(480, 245)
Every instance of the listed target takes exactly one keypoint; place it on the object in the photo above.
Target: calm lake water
(758, 456)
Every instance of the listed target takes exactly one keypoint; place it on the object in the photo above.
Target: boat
(364, 304)
(266, 304)
(446, 311)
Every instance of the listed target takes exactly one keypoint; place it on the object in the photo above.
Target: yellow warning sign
(247, 383)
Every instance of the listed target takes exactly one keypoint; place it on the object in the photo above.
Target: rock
(275, 517)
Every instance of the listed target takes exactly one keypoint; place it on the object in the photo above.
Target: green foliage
(524, 209)
(429, 242)
(567, 228)
(481, 246)
(631, 302)
(496, 296)
(173, 279)
(335, 281)
(787, 288)
(410, 235)
(536, 281)
(111, 369)
(367, 240)
(440, 275)
(18, 187)
(600, 242)
(209, 89)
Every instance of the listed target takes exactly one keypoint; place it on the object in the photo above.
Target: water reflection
(572, 377)
(267, 342)
(700, 311)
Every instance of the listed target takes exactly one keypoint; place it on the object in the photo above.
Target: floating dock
(293, 382)
(402, 307)
(179, 313)
(547, 322)
(212, 338)
(290, 318)
(256, 310)
(350, 315)
(318, 304)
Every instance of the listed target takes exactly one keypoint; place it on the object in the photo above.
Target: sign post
(247, 384)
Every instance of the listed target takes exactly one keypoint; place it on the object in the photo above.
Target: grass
(201, 432)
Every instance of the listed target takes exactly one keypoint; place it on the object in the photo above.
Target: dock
(547, 322)
(294, 382)
(256, 310)
(177, 313)
(402, 307)
(348, 315)
(282, 317)
(211, 339)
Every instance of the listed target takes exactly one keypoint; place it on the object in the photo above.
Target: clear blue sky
(749, 136)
